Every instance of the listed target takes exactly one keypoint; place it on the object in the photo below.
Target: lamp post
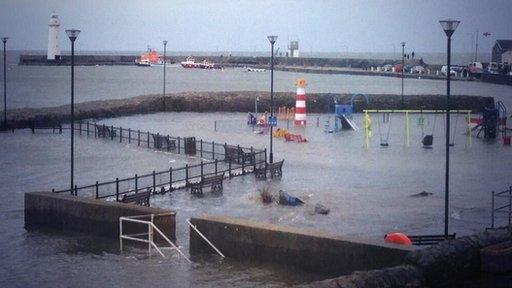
(272, 39)
(4, 40)
(165, 46)
(403, 67)
(449, 27)
(72, 34)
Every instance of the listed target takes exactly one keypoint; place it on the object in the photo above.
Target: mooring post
(120, 134)
(202, 169)
(154, 181)
(117, 189)
(136, 184)
(492, 210)
(97, 190)
(179, 144)
(112, 132)
(138, 137)
(213, 149)
(148, 139)
(201, 147)
(216, 169)
(186, 175)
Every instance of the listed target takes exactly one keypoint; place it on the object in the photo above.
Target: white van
(452, 72)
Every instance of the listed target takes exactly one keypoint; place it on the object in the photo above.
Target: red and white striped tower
(300, 103)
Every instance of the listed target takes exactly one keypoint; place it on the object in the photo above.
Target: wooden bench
(105, 131)
(215, 181)
(235, 154)
(422, 240)
(140, 198)
(163, 142)
(275, 170)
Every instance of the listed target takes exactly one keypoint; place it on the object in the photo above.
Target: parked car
(444, 69)
(418, 69)
(387, 68)
(398, 68)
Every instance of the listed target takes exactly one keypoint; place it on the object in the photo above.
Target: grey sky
(320, 26)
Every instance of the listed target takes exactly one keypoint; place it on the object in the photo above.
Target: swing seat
(428, 140)
(384, 144)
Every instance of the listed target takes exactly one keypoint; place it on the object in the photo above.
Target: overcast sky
(320, 26)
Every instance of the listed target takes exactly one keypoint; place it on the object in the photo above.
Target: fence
(498, 200)
(228, 159)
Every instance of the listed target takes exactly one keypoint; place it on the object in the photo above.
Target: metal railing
(229, 159)
(205, 239)
(501, 203)
(140, 237)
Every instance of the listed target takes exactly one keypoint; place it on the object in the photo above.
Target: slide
(347, 124)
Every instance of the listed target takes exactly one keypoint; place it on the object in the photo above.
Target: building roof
(504, 44)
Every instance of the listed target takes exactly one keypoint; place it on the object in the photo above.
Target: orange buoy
(397, 238)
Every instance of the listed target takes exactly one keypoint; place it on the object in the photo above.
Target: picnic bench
(422, 240)
(215, 181)
(140, 198)
(275, 170)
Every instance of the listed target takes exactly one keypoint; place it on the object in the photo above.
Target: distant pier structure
(293, 49)
(53, 37)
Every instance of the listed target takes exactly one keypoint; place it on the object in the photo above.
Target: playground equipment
(343, 115)
(285, 113)
(300, 103)
(492, 121)
(427, 140)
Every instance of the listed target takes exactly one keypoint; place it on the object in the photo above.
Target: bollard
(117, 189)
(148, 139)
(129, 135)
(138, 137)
(216, 162)
(186, 175)
(120, 134)
(213, 149)
(201, 147)
(154, 181)
(136, 184)
(170, 179)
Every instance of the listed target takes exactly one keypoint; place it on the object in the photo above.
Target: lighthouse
(300, 103)
(53, 37)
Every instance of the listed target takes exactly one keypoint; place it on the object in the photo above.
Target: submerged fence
(232, 160)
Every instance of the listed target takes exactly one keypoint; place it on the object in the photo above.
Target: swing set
(384, 126)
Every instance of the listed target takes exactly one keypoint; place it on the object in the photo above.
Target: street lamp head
(403, 44)
(449, 26)
(272, 39)
(4, 39)
(72, 34)
(165, 42)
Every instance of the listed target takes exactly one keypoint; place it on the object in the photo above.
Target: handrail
(151, 227)
(205, 239)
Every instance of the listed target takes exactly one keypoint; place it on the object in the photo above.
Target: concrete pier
(86, 215)
(302, 248)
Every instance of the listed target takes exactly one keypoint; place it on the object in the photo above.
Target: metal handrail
(507, 194)
(205, 239)
(151, 227)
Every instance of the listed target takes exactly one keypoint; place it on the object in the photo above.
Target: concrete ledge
(93, 216)
(303, 248)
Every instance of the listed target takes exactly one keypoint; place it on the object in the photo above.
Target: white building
(53, 37)
(507, 57)
(293, 49)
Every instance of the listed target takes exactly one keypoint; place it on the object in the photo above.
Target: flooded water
(368, 191)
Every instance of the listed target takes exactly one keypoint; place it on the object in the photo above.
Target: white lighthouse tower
(53, 37)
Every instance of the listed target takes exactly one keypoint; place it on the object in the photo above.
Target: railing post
(112, 132)
(154, 181)
(168, 141)
(117, 189)
(148, 139)
(120, 134)
(243, 165)
(492, 210)
(136, 184)
(129, 135)
(229, 169)
(238, 154)
(179, 144)
(79, 128)
(509, 204)
(76, 190)
(95, 130)
(87, 128)
(201, 147)
(202, 169)
(156, 141)
(170, 179)
(97, 190)
(265, 150)
(138, 137)
(186, 175)
(216, 162)
(213, 149)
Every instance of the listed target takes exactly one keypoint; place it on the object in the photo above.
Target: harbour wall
(238, 101)
(300, 248)
(92, 216)
(453, 263)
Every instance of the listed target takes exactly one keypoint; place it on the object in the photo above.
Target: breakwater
(242, 101)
